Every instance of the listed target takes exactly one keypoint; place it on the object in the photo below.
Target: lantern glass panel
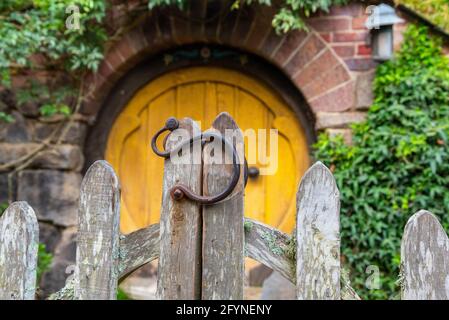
(383, 43)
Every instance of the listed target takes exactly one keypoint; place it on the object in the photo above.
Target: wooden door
(201, 93)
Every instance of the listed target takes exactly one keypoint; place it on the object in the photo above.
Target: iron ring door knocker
(180, 191)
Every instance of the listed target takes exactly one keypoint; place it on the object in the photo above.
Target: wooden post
(223, 234)
(179, 270)
(424, 259)
(97, 252)
(19, 238)
(318, 236)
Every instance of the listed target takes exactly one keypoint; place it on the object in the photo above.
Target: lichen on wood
(66, 293)
(248, 225)
(97, 253)
(318, 236)
(19, 236)
(424, 259)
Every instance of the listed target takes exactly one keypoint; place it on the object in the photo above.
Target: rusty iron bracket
(180, 191)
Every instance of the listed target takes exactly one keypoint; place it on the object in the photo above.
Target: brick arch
(305, 57)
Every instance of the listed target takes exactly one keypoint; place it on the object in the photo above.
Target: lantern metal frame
(381, 21)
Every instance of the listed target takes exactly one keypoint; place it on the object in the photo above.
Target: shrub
(398, 162)
(436, 11)
(44, 260)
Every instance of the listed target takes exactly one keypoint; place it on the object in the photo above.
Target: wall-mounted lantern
(381, 22)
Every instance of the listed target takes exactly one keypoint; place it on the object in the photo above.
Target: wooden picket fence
(201, 248)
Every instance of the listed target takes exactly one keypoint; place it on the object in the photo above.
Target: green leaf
(48, 110)
(5, 117)
(44, 260)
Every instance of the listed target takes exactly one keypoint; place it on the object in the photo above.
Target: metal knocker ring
(170, 125)
(180, 191)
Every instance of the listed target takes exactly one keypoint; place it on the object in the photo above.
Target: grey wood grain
(262, 243)
(19, 238)
(179, 275)
(138, 248)
(424, 259)
(142, 246)
(66, 293)
(270, 247)
(318, 236)
(223, 235)
(348, 293)
(97, 253)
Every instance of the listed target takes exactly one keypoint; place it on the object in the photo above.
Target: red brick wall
(344, 29)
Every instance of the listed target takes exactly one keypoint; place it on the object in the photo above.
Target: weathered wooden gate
(201, 248)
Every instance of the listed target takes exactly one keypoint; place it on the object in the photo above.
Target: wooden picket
(201, 248)
(223, 237)
(19, 236)
(318, 236)
(98, 234)
(424, 259)
(180, 227)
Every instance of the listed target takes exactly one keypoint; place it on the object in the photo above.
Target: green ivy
(38, 27)
(5, 117)
(44, 260)
(289, 16)
(398, 162)
(35, 36)
(292, 12)
(53, 99)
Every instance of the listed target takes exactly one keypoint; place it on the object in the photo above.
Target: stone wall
(331, 66)
(50, 182)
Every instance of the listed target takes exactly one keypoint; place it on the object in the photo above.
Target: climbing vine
(398, 163)
(35, 36)
(289, 16)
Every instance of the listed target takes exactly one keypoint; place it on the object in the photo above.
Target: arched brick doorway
(306, 58)
(259, 81)
(301, 67)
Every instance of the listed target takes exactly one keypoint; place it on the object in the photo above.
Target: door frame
(190, 56)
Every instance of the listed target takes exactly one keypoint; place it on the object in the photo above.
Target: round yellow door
(201, 93)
